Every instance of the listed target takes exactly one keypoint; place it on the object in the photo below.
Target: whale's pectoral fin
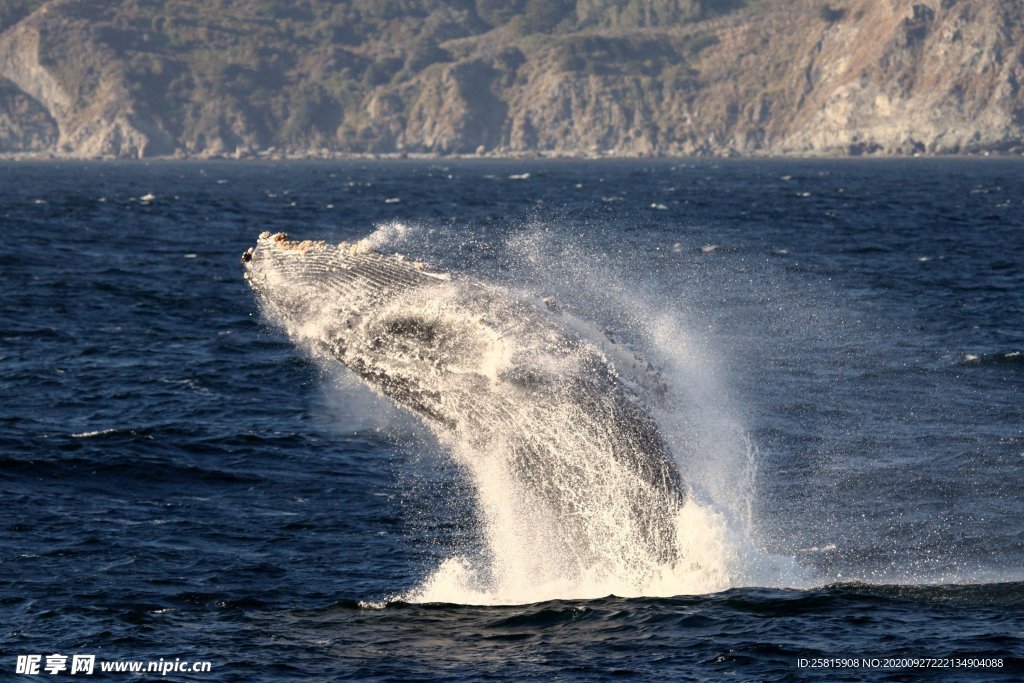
(632, 369)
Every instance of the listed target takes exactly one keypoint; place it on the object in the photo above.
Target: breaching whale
(563, 415)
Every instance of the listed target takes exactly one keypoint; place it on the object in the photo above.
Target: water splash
(523, 558)
(392, 236)
(519, 569)
(568, 498)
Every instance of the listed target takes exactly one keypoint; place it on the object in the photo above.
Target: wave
(998, 358)
(123, 467)
(777, 602)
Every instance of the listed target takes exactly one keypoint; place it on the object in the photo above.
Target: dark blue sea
(843, 339)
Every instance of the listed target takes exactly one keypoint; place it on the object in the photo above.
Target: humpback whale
(563, 415)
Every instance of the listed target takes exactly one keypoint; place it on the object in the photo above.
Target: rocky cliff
(622, 77)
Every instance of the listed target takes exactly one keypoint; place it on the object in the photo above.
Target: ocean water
(843, 342)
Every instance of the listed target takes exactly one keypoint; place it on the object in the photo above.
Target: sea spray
(548, 416)
(714, 529)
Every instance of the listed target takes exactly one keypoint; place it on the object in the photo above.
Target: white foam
(710, 560)
(526, 561)
(389, 236)
(98, 432)
(531, 552)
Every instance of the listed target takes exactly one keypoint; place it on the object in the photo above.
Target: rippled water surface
(843, 340)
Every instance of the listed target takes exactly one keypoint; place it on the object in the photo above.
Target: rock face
(619, 77)
(943, 78)
(85, 105)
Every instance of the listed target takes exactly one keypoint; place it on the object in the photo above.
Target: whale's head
(393, 321)
(404, 328)
(307, 286)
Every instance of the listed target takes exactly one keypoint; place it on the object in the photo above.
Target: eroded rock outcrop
(86, 98)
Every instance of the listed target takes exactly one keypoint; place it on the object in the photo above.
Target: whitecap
(91, 434)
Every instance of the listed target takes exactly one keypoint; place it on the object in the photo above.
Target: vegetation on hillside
(297, 72)
(221, 77)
